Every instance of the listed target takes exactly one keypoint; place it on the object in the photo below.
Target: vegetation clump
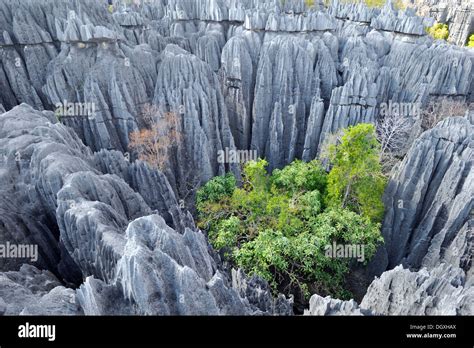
(470, 42)
(439, 31)
(279, 225)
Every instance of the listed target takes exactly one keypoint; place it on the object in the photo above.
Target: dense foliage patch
(439, 31)
(470, 43)
(356, 181)
(278, 225)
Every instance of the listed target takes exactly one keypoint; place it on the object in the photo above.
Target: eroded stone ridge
(96, 227)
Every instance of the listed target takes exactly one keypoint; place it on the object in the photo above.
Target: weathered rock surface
(30, 291)
(328, 306)
(97, 228)
(187, 86)
(259, 294)
(430, 198)
(439, 291)
(271, 76)
(119, 62)
(458, 14)
(166, 273)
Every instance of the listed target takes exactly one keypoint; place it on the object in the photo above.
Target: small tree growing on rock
(355, 181)
(439, 31)
(439, 109)
(393, 132)
(154, 143)
(161, 143)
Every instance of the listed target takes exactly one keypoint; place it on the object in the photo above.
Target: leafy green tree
(439, 31)
(299, 262)
(300, 176)
(355, 181)
(471, 41)
(216, 189)
(278, 225)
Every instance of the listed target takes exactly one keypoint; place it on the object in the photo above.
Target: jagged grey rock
(430, 198)
(30, 291)
(428, 225)
(458, 14)
(406, 23)
(106, 233)
(188, 86)
(259, 294)
(289, 74)
(251, 74)
(97, 297)
(439, 291)
(328, 306)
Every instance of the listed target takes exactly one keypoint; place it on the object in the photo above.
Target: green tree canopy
(278, 226)
(439, 31)
(356, 181)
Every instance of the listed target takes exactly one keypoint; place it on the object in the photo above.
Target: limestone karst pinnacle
(116, 236)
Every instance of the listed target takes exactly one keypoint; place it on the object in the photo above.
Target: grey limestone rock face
(59, 301)
(427, 227)
(30, 291)
(439, 291)
(328, 306)
(295, 69)
(162, 272)
(98, 231)
(431, 68)
(354, 102)
(96, 297)
(460, 18)
(355, 12)
(138, 175)
(158, 270)
(93, 212)
(238, 75)
(358, 67)
(457, 14)
(428, 218)
(104, 77)
(259, 294)
(430, 197)
(406, 23)
(188, 86)
(98, 57)
(30, 40)
(35, 155)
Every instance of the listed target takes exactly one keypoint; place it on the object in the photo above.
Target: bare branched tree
(161, 144)
(441, 108)
(393, 132)
(155, 143)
